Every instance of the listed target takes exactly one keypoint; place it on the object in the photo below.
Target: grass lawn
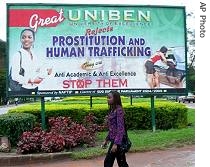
(86, 100)
(147, 140)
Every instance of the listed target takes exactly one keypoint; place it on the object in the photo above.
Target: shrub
(38, 140)
(63, 133)
(62, 125)
(74, 134)
(167, 115)
(52, 142)
(13, 125)
(30, 141)
(76, 112)
(138, 116)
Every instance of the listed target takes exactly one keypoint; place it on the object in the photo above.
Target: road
(190, 105)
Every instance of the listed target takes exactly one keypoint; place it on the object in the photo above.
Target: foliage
(144, 140)
(2, 84)
(53, 142)
(14, 124)
(62, 133)
(168, 115)
(2, 71)
(38, 140)
(191, 53)
(191, 79)
(30, 141)
(2, 48)
(138, 116)
(191, 39)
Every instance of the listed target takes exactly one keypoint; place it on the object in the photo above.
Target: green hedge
(138, 116)
(76, 112)
(13, 125)
(167, 116)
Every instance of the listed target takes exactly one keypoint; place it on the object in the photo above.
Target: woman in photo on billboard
(116, 126)
(152, 75)
(25, 73)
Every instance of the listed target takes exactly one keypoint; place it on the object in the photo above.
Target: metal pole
(43, 113)
(91, 101)
(153, 113)
(131, 97)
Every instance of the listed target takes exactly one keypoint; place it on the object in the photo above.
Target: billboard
(60, 49)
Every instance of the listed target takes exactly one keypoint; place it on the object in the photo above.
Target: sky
(187, 3)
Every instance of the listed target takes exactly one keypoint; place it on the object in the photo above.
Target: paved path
(5, 108)
(177, 157)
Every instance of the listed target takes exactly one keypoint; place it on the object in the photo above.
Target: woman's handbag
(126, 143)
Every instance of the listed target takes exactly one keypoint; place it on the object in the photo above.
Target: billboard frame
(147, 92)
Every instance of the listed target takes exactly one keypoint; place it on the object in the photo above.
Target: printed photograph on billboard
(56, 49)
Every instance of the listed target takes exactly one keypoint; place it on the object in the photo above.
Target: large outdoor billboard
(56, 50)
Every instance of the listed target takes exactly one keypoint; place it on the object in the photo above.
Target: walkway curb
(11, 160)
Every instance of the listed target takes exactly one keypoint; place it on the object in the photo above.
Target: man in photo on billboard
(151, 74)
(25, 73)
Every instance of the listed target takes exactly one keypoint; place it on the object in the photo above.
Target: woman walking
(116, 132)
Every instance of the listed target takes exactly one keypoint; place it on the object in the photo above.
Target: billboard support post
(153, 113)
(43, 113)
(131, 98)
(91, 101)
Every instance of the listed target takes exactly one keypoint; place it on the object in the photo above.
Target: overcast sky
(3, 15)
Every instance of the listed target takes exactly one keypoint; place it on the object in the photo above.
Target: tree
(2, 71)
(191, 51)
(2, 85)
